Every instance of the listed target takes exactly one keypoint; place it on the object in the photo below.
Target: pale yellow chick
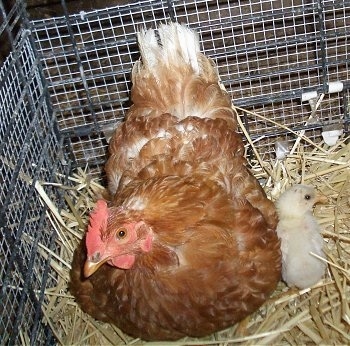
(300, 234)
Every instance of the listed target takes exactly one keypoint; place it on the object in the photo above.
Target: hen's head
(113, 238)
(298, 200)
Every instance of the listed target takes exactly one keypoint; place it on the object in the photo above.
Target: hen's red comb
(97, 226)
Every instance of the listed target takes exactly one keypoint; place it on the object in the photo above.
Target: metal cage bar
(65, 82)
(268, 55)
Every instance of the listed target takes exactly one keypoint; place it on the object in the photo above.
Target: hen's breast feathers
(208, 270)
(202, 241)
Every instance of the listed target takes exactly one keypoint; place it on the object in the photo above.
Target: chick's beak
(91, 265)
(319, 198)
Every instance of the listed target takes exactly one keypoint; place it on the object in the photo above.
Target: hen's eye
(307, 197)
(121, 233)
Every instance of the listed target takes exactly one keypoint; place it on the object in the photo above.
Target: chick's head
(298, 200)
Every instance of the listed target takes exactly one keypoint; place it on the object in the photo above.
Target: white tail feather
(149, 47)
(177, 43)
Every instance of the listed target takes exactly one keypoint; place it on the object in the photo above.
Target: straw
(316, 315)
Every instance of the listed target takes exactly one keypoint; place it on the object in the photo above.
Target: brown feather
(177, 164)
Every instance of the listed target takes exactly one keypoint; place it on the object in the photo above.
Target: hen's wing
(163, 146)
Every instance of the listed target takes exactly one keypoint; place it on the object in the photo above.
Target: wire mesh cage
(269, 55)
(65, 82)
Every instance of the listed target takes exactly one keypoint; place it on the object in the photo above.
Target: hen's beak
(91, 266)
(319, 198)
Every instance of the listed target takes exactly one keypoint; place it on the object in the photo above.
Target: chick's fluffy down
(300, 236)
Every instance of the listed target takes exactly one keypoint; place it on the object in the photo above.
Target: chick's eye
(121, 233)
(307, 197)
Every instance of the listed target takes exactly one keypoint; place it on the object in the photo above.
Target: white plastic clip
(335, 87)
(309, 95)
(331, 137)
(331, 133)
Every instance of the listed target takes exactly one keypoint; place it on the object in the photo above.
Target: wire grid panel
(29, 150)
(268, 54)
(87, 65)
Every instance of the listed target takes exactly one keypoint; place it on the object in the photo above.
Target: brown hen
(186, 243)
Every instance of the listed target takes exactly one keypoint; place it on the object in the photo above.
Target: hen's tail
(174, 77)
(170, 43)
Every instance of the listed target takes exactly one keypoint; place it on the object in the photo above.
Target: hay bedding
(319, 315)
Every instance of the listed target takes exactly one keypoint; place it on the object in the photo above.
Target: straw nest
(318, 315)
